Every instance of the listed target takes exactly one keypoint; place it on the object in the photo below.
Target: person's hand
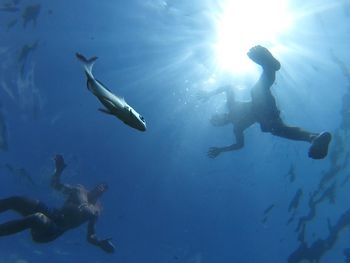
(214, 152)
(107, 245)
(59, 163)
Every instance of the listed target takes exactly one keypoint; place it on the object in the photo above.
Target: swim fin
(319, 146)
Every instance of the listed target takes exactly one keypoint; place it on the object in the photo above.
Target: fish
(268, 209)
(293, 205)
(114, 105)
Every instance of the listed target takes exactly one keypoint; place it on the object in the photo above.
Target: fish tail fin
(87, 63)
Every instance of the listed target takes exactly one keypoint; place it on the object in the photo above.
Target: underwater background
(167, 201)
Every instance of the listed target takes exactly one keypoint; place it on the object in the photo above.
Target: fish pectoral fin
(108, 101)
(105, 111)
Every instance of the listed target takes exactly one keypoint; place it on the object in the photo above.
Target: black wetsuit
(268, 115)
(46, 223)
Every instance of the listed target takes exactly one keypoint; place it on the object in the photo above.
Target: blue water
(168, 202)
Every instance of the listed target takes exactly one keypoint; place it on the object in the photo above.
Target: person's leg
(292, 133)
(43, 229)
(23, 205)
(36, 220)
(319, 141)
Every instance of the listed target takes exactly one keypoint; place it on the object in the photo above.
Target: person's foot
(319, 146)
(264, 58)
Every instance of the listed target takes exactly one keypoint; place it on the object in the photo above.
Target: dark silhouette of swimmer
(26, 50)
(11, 24)
(31, 13)
(319, 247)
(46, 224)
(20, 172)
(240, 114)
(291, 173)
(263, 109)
(293, 205)
(9, 9)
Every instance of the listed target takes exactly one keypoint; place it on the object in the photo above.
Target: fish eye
(142, 118)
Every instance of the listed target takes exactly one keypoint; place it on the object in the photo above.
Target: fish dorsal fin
(108, 101)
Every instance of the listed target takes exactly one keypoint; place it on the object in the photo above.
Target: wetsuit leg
(34, 221)
(19, 225)
(43, 229)
(293, 133)
(22, 205)
(37, 217)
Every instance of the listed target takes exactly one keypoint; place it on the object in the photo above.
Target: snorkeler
(263, 110)
(46, 224)
(239, 114)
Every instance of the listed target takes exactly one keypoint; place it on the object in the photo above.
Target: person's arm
(105, 244)
(56, 177)
(205, 95)
(215, 151)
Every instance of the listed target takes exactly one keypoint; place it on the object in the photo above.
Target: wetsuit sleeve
(57, 185)
(239, 141)
(105, 244)
(91, 236)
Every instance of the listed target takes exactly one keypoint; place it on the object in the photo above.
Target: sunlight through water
(243, 24)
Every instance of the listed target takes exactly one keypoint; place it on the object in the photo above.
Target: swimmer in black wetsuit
(47, 224)
(239, 114)
(263, 110)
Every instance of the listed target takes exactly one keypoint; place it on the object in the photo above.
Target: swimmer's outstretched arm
(104, 244)
(205, 95)
(219, 90)
(56, 177)
(215, 151)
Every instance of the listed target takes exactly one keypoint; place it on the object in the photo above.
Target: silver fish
(114, 105)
